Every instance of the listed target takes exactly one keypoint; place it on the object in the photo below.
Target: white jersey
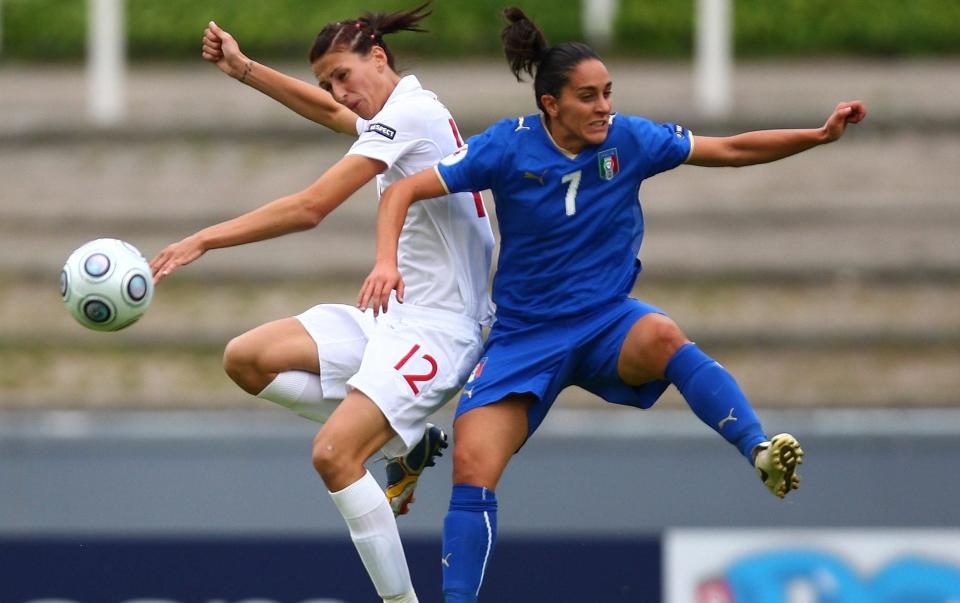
(446, 245)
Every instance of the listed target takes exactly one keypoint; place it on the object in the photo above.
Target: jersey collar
(563, 151)
(406, 85)
(566, 153)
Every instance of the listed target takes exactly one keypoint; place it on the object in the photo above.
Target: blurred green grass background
(55, 30)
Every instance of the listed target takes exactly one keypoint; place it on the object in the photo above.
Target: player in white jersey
(372, 381)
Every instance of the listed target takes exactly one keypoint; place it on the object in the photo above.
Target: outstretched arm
(394, 204)
(312, 102)
(293, 213)
(765, 146)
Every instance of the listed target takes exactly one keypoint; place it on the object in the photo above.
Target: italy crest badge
(609, 163)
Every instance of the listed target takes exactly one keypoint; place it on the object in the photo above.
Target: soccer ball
(106, 284)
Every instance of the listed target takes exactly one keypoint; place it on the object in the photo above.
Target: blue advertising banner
(884, 565)
(294, 570)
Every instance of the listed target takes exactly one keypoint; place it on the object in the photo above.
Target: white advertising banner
(812, 566)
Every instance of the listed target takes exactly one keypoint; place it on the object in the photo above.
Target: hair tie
(358, 25)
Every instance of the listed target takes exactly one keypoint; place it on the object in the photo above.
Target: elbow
(312, 218)
(398, 193)
(738, 157)
(727, 155)
(312, 212)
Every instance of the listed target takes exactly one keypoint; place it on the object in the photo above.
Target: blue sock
(469, 534)
(715, 398)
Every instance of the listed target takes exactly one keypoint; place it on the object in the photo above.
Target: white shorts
(409, 361)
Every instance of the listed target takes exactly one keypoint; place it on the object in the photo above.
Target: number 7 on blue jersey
(571, 200)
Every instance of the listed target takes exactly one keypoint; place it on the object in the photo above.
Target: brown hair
(362, 34)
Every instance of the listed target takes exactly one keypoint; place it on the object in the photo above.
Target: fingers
(163, 265)
(364, 298)
(400, 289)
(157, 261)
(211, 37)
(852, 111)
(163, 270)
(159, 276)
(857, 112)
(384, 295)
(370, 292)
(217, 33)
(849, 112)
(212, 47)
(375, 293)
(374, 296)
(160, 273)
(213, 40)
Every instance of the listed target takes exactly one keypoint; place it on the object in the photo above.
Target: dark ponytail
(362, 34)
(527, 51)
(523, 42)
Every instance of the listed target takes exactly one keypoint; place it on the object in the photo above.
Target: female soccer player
(566, 185)
(373, 382)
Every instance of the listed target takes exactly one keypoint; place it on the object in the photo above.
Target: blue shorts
(543, 358)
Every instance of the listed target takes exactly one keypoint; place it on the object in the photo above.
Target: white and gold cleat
(776, 464)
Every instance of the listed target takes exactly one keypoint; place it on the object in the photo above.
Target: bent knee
(471, 466)
(240, 364)
(662, 334)
(331, 461)
(650, 345)
(324, 457)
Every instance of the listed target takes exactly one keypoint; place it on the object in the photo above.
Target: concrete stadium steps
(865, 206)
(790, 346)
(186, 98)
(879, 246)
(148, 376)
(876, 252)
(828, 279)
(840, 315)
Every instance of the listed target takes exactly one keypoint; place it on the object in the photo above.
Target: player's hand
(221, 49)
(375, 291)
(851, 112)
(174, 256)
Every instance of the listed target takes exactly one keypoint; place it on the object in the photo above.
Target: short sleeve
(667, 145)
(387, 136)
(474, 166)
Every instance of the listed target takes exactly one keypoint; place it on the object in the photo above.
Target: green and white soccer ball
(106, 284)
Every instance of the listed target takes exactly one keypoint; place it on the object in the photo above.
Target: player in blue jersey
(566, 185)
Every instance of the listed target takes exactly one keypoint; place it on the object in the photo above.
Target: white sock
(300, 391)
(373, 529)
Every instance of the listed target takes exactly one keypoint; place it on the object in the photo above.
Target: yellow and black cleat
(403, 472)
(776, 464)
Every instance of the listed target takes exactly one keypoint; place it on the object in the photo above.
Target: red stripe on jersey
(477, 199)
(456, 133)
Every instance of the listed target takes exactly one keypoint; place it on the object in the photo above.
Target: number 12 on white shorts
(413, 378)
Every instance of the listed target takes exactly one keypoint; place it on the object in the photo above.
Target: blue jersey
(570, 225)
